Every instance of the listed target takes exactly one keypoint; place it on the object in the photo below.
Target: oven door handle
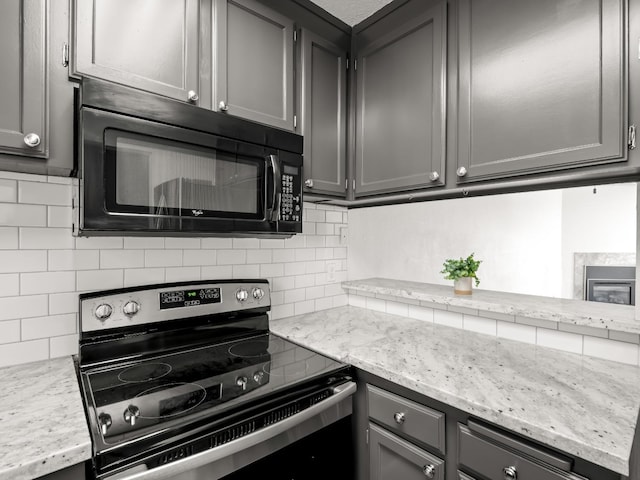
(341, 393)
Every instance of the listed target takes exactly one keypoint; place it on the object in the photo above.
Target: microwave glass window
(169, 177)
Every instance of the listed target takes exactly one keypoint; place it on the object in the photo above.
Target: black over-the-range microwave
(150, 165)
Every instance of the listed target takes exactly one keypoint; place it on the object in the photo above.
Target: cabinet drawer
(394, 458)
(492, 461)
(412, 419)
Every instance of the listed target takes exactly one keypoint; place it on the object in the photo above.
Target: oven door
(140, 176)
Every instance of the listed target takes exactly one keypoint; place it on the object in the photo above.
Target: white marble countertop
(577, 312)
(42, 423)
(584, 406)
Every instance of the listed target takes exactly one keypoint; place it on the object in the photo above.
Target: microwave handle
(274, 212)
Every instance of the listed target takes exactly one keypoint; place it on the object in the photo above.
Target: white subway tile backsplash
(44, 193)
(272, 270)
(301, 308)
(143, 276)
(182, 243)
(99, 279)
(9, 331)
(325, 228)
(272, 243)
(182, 274)
(213, 272)
(291, 269)
(449, 319)
(302, 281)
(376, 304)
(8, 191)
(569, 342)
(315, 241)
(9, 284)
(73, 260)
(305, 254)
(624, 337)
(397, 308)
(282, 284)
(282, 311)
(340, 300)
(23, 261)
(259, 256)
(323, 303)
(314, 293)
(315, 216)
(24, 352)
(143, 243)
(246, 271)
(420, 313)
(611, 350)
(277, 298)
(16, 215)
(333, 217)
(9, 238)
(357, 301)
(63, 303)
(294, 295)
(63, 346)
(98, 243)
(478, 324)
(200, 257)
(283, 256)
(514, 331)
(51, 326)
(216, 243)
(122, 259)
(59, 216)
(47, 282)
(240, 243)
(163, 258)
(23, 307)
(232, 257)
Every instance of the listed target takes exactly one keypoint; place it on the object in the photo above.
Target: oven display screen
(189, 298)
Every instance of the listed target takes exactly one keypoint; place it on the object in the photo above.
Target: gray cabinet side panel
(23, 56)
(541, 85)
(324, 100)
(400, 106)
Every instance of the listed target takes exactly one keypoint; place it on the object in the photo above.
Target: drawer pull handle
(429, 471)
(510, 473)
(399, 417)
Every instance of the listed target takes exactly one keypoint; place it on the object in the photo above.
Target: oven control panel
(291, 201)
(142, 305)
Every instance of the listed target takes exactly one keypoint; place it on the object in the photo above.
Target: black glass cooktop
(134, 398)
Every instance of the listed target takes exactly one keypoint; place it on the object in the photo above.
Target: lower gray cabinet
(392, 458)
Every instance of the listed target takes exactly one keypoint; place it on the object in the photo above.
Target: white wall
(43, 267)
(517, 236)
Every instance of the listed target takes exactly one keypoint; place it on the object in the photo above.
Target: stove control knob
(242, 382)
(131, 308)
(242, 295)
(257, 293)
(257, 377)
(104, 420)
(130, 414)
(103, 311)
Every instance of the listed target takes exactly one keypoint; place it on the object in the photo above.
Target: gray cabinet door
(400, 119)
(324, 114)
(23, 99)
(253, 67)
(391, 458)
(151, 45)
(540, 87)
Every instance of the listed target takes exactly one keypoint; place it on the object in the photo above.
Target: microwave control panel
(291, 203)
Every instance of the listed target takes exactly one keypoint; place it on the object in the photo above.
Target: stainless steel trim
(170, 470)
(277, 188)
(557, 461)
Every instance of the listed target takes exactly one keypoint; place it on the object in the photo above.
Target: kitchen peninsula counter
(43, 428)
(584, 406)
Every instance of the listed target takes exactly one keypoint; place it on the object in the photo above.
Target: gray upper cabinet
(400, 119)
(253, 62)
(541, 86)
(23, 96)
(152, 46)
(324, 114)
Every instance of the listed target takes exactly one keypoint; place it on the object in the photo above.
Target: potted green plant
(461, 271)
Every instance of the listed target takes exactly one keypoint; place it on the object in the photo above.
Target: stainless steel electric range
(185, 381)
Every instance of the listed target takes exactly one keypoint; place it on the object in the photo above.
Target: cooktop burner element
(144, 372)
(161, 376)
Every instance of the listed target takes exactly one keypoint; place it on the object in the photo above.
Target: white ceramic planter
(463, 286)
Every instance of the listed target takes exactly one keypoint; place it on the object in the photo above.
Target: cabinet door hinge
(355, 64)
(295, 121)
(632, 137)
(65, 54)
(348, 60)
(346, 184)
(367, 436)
(295, 35)
(354, 184)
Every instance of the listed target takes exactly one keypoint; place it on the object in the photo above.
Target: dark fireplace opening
(610, 284)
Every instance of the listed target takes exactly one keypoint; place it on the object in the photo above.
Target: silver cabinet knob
(433, 176)
(461, 172)
(222, 106)
(510, 473)
(32, 140)
(429, 471)
(104, 420)
(308, 183)
(131, 308)
(242, 382)
(257, 293)
(399, 417)
(130, 414)
(192, 96)
(242, 295)
(103, 311)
